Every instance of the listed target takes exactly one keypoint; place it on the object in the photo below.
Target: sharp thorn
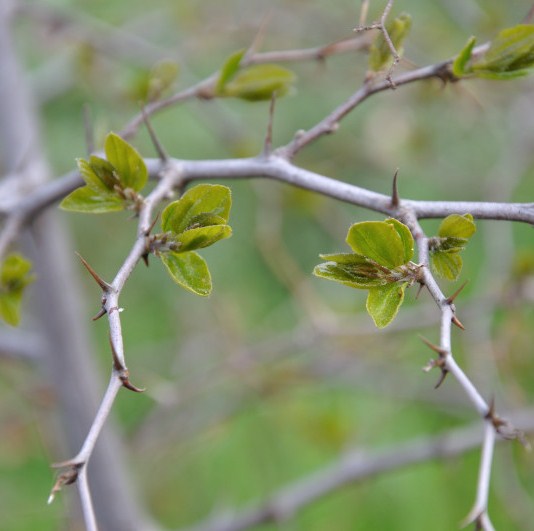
(268, 143)
(419, 290)
(100, 314)
(444, 373)
(145, 259)
(442, 352)
(457, 322)
(126, 383)
(152, 225)
(451, 299)
(395, 199)
(102, 283)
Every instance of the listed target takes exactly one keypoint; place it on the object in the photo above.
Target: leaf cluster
(453, 236)
(110, 185)
(510, 55)
(381, 263)
(197, 220)
(380, 56)
(14, 277)
(253, 83)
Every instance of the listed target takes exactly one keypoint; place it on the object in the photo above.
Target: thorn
(395, 199)
(457, 322)
(258, 38)
(419, 290)
(157, 144)
(145, 258)
(444, 373)
(65, 478)
(126, 383)
(122, 371)
(268, 143)
(88, 127)
(440, 351)
(102, 283)
(100, 314)
(152, 225)
(450, 300)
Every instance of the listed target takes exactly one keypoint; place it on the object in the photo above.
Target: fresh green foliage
(253, 83)
(229, 70)
(189, 270)
(111, 184)
(453, 236)
(459, 65)
(381, 263)
(198, 219)
(510, 55)
(14, 277)
(380, 56)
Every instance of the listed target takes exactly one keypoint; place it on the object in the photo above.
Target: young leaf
(457, 226)
(382, 241)
(383, 302)
(460, 63)
(98, 174)
(406, 238)
(197, 207)
(259, 82)
(89, 201)
(229, 70)
(350, 269)
(380, 56)
(189, 270)
(510, 55)
(202, 237)
(447, 264)
(129, 165)
(14, 277)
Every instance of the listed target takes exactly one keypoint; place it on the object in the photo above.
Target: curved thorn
(100, 314)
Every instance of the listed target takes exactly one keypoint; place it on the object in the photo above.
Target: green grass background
(240, 402)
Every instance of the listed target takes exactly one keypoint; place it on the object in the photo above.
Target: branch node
(102, 283)
(440, 362)
(65, 478)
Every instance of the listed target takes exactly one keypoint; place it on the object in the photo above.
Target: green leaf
(447, 264)
(202, 237)
(229, 70)
(457, 226)
(382, 241)
(129, 165)
(380, 56)
(89, 201)
(405, 236)
(460, 63)
(259, 82)
(98, 174)
(383, 302)
(448, 244)
(202, 205)
(14, 277)
(189, 270)
(351, 270)
(510, 55)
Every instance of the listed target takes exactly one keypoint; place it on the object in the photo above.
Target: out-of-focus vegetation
(249, 389)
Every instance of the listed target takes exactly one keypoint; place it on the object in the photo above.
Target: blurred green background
(278, 373)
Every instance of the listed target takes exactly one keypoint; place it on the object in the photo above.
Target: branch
(354, 466)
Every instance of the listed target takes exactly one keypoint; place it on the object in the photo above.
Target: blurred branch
(350, 468)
